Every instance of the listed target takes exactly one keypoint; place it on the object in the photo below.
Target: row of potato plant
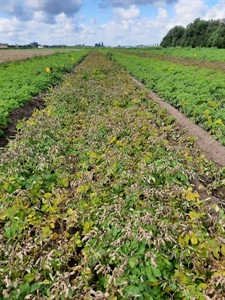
(102, 197)
(21, 80)
(198, 93)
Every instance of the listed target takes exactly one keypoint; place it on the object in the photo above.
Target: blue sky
(113, 22)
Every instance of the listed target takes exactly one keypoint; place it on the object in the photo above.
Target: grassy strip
(20, 81)
(209, 54)
(100, 199)
(199, 94)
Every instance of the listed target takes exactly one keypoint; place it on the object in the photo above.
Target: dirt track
(7, 55)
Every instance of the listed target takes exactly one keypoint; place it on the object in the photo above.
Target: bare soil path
(7, 55)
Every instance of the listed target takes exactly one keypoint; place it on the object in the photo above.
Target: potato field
(103, 195)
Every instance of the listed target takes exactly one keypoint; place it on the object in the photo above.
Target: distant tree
(173, 37)
(99, 44)
(34, 44)
(200, 33)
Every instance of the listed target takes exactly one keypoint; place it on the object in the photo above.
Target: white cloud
(14, 8)
(11, 29)
(187, 11)
(127, 14)
(93, 21)
(11, 7)
(127, 3)
(126, 25)
(69, 7)
(216, 12)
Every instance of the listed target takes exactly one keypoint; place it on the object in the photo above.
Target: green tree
(173, 37)
(199, 33)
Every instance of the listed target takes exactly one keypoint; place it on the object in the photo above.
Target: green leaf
(24, 288)
(223, 250)
(34, 287)
(150, 276)
(132, 262)
(29, 277)
(133, 290)
(156, 272)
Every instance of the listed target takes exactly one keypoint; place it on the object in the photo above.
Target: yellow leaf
(222, 250)
(190, 195)
(46, 231)
(193, 214)
(31, 122)
(186, 239)
(119, 143)
(46, 281)
(87, 226)
(219, 121)
(141, 203)
(52, 225)
(181, 241)
(215, 248)
(216, 207)
(82, 189)
(181, 276)
(193, 239)
(207, 112)
(167, 128)
(79, 243)
(54, 236)
(156, 283)
(47, 195)
(70, 211)
(65, 182)
(112, 140)
(203, 285)
(186, 154)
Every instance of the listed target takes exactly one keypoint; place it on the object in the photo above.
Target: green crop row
(20, 81)
(198, 93)
(100, 198)
(210, 54)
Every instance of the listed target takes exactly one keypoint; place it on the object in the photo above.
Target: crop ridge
(102, 196)
(212, 149)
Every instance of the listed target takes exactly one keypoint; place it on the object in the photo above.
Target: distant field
(22, 54)
(210, 54)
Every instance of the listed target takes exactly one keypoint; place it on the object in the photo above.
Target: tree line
(199, 33)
